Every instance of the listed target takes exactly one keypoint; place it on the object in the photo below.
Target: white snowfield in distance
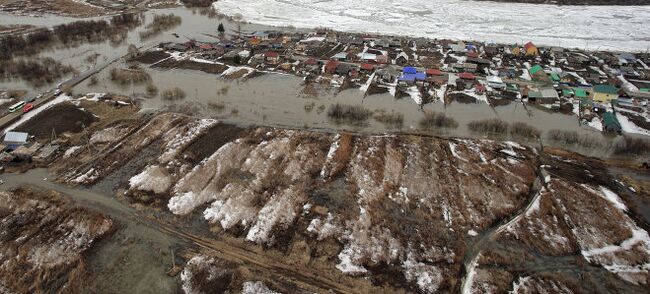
(592, 27)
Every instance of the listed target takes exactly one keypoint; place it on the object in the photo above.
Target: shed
(14, 140)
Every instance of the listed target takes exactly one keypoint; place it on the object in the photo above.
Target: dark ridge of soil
(374, 89)
(462, 98)
(211, 141)
(63, 117)
(499, 102)
(193, 65)
(578, 2)
(637, 120)
(151, 57)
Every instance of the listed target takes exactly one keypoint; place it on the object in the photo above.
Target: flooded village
(164, 147)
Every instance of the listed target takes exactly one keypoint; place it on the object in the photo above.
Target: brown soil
(209, 143)
(151, 57)
(461, 98)
(374, 89)
(62, 118)
(368, 198)
(188, 64)
(45, 239)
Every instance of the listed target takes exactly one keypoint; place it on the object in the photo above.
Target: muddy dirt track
(303, 211)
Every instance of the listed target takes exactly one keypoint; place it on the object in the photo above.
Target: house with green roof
(555, 77)
(610, 123)
(605, 93)
(580, 93)
(536, 69)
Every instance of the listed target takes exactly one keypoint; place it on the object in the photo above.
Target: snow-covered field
(595, 27)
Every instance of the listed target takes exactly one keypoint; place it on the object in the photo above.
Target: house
(611, 123)
(531, 49)
(260, 35)
(343, 69)
(367, 67)
(272, 57)
(367, 57)
(493, 49)
(388, 74)
(409, 70)
(382, 59)
(13, 140)
(458, 47)
(440, 80)
(469, 67)
(495, 82)
(433, 72)
(604, 93)
(467, 76)
(330, 66)
(543, 95)
(401, 58)
(341, 56)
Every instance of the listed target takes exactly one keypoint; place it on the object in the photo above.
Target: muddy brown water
(134, 259)
(273, 99)
(194, 26)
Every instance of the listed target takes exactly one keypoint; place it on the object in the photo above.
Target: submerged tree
(221, 29)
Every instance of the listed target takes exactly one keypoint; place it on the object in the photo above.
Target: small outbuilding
(14, 140)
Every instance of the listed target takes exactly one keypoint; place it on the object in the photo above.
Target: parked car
(28, 107)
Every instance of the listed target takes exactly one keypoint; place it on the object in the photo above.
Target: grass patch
(348, 113)
(489, 126)
(151, 89)
(435, 120)
(129, 76)
(37, 72)
(160, 23)
(173, 94)
(523, 130)
(629, 145)
(390, 119)
(573, 138)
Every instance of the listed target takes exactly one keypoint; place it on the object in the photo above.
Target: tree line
(78, 31)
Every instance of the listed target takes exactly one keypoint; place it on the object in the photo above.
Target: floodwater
(276, 100)
(134, 259)
(272, 99)
(194, 26)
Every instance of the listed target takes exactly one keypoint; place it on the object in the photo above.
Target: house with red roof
(330, 66)
(531, 49)
(434, 72)
(272, 57)
(467, 76)
(367, 67)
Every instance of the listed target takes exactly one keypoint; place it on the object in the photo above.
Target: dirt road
(271, 265)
